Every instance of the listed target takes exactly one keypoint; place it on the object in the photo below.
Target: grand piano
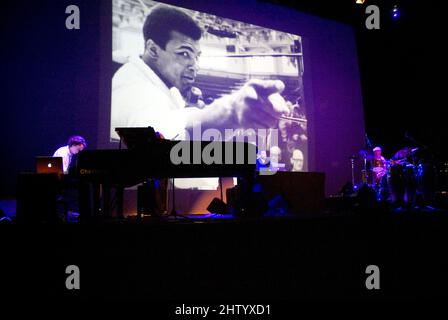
(148, 156)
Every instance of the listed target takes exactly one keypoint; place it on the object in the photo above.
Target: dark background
(400, 66)
(46, 88)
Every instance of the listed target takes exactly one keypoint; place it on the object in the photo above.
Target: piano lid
(137, 138)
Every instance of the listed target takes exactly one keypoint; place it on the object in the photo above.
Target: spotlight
(360, 1)
(395, 12)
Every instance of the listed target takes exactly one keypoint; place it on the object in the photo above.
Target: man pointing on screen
(149, 90)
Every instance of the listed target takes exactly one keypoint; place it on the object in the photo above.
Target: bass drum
(378, 173)
(395, 182)
(410, 176)
(402, 183)
(426, 181)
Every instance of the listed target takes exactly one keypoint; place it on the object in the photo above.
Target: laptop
(49, 165)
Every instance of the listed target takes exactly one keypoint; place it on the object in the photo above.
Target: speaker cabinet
(36, 197)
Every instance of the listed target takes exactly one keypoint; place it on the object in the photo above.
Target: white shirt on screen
(64, 153)
(141, 99)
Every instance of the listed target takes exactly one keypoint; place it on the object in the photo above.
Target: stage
(213, 259)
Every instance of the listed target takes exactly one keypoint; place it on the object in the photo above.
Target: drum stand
(364, 172)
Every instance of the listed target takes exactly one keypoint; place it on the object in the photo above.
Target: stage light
(360, 1)
(395, 12)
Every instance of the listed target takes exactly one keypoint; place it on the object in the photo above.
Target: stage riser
(266, 259)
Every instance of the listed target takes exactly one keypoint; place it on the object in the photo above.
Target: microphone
(195, 94)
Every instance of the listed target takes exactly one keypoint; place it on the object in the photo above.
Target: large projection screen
(232, 53)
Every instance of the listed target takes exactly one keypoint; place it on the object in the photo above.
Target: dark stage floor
(212, 259)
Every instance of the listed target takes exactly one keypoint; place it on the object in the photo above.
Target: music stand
(140, 138)
(136, 138)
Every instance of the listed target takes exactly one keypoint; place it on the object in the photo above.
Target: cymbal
(363, 153)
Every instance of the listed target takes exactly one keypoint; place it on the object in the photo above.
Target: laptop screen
(49, 165)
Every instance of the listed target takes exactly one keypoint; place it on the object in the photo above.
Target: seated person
(74, 145)
(70, 194)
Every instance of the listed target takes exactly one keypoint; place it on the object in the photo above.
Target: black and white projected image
(231, 54)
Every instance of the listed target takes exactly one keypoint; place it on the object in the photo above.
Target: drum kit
(404, 180)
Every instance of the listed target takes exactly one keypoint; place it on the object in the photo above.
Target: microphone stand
(352, 161)
(173, 212)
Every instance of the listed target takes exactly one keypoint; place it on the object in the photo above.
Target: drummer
(379, 163)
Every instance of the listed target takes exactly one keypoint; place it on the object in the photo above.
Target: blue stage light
(395, 12)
